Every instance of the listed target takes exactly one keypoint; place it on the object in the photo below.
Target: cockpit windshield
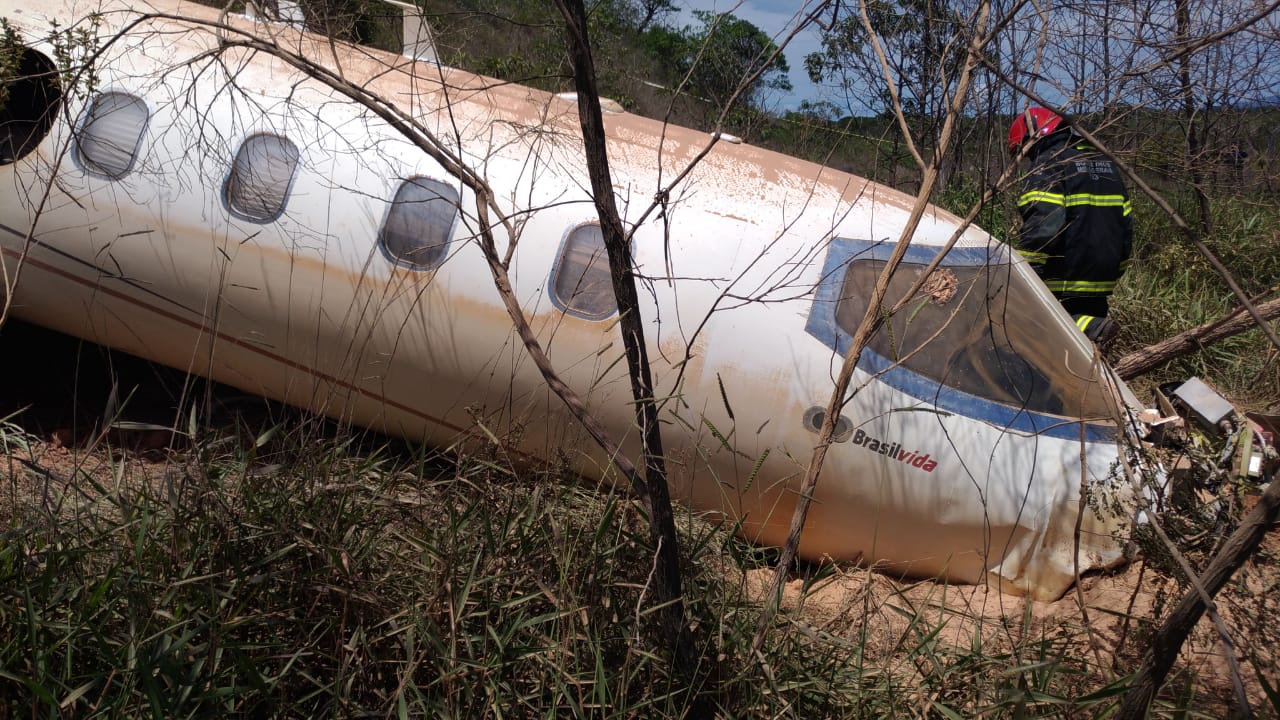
(976, 326)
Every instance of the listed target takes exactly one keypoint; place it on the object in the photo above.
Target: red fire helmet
(1033, 124)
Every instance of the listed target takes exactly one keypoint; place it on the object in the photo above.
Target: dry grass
(306, 573)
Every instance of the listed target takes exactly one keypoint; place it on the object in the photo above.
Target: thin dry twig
(870, 322)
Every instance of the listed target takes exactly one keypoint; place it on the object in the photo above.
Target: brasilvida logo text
(894, 450)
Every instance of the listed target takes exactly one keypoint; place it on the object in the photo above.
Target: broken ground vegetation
(281, 565)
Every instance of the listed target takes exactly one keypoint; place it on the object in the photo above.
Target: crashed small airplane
(193, 197)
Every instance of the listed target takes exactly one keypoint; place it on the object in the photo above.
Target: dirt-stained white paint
(308, 310)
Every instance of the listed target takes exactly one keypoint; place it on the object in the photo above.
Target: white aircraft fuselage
(217, 211)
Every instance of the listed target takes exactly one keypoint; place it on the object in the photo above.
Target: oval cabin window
(108, 140)
(29, 102)
(261, 176)
(419, 223)
(581, 284)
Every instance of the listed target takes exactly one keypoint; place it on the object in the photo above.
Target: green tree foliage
(368, 22)
(923, 46)
(522, 41)
(920, 41)
(10, 58)
(641, 57)
(644, 15)
(725, 51)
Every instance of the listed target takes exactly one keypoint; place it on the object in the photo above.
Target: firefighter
(1077, 221)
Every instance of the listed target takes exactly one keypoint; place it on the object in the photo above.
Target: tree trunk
(1194, 140)
(1140, 362)
(1167, 643)
(662, 529)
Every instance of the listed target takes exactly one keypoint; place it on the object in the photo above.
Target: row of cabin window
(415, 233)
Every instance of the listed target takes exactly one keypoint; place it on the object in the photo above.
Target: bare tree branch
(1168, 640)
(1142, 361)
(869, 324)
(662, 528)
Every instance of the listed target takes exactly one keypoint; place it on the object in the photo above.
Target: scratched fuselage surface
(753, 265)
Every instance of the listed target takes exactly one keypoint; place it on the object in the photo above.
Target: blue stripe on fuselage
(822, 325)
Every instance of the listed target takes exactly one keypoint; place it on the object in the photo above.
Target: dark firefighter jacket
(1077, 225)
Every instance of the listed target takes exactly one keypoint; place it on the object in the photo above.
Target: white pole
(417, 40)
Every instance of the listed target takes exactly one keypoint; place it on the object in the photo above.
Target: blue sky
(774, 17)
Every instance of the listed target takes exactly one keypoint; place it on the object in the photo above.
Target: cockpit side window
(108, 140)
(261, 176)
(29, 102)
(977, 329)
(419, 223)
(580, 283)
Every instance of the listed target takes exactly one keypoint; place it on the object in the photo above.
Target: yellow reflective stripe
(1035, 258)
(1076, 200)
(1041, 196)
(1081, 286)
(1097, 200)
(1083, 321)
